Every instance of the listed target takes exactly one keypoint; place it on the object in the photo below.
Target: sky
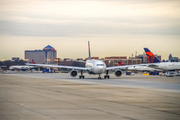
(113, 27)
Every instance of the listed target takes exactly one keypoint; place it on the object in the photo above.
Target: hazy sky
(113, 27)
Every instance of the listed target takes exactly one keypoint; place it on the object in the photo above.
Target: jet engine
(73, 73)
(118, 73)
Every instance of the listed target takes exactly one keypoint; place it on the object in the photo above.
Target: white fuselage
(96, 66)
(158, 67)
(141, 68)
(168, 66)
(24, 67)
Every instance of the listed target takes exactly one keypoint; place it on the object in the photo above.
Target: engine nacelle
(73, 73)
(118, 73)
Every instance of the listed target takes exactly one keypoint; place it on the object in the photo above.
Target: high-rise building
(170, 57)
(45, 56)
(173, 59)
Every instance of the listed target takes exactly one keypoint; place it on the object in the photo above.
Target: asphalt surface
(56, 96)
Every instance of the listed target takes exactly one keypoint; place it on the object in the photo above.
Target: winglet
(89, 50)
(151, 57)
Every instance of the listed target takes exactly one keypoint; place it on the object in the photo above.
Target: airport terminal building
(45, 56)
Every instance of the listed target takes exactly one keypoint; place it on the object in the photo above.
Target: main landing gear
(81, 76)
(106, 76)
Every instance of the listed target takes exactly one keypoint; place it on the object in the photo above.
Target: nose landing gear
(99, 76)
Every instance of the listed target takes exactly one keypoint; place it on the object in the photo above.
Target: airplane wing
(59, 66)
(151, 65)
(123, 67)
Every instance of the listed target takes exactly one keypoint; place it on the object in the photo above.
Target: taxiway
(58, 96)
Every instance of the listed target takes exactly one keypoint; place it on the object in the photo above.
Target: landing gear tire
(81, 77)
(99, 76)
(106, 76)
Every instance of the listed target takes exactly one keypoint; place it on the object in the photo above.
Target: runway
(60, 97)
(138, 81)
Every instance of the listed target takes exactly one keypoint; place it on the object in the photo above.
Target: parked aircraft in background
(156, 64)
(151, 59)
(22, 67)
(91, 66)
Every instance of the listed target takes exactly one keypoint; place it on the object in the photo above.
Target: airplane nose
(99, 70)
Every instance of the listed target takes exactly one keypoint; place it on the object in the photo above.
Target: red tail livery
(151, 57)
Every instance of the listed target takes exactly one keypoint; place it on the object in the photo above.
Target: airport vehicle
(171, 74)
(162, 74)
(91, 66)
(156, 64)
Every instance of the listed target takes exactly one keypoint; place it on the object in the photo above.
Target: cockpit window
(100, 64)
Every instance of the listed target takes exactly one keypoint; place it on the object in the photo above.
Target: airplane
(95, 67)
(151, 59)
(158, 65)
(22, 67)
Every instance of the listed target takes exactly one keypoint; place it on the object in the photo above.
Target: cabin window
(100, 64)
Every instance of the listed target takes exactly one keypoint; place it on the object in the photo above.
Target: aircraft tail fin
(89, 50)
(151, 57)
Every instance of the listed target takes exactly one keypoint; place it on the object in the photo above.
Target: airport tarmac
(57, 96)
